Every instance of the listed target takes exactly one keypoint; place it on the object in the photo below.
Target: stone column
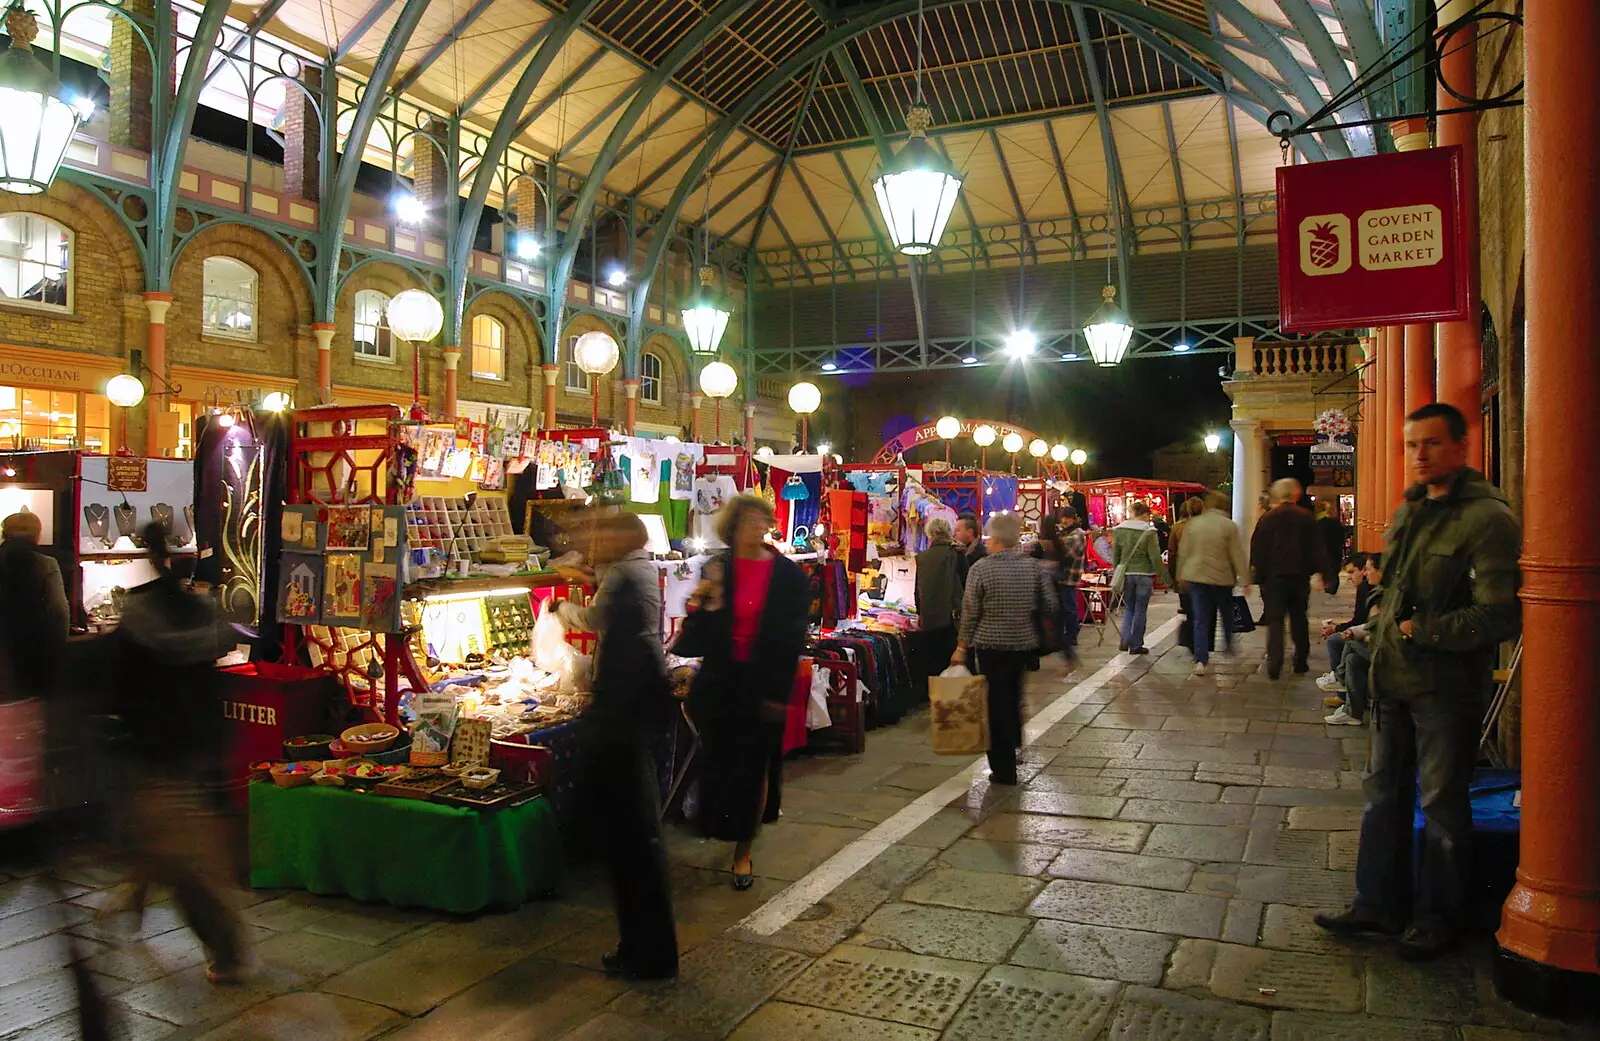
(156, 359)
(1419, 367)
(430, 169)
(630, 392)
(1460, 365)
(1247, 468)
(1550, 932)
(1394, 422)
(323, 331)
(132, 76)
(452, 358)
(550, 374)
(302, 137)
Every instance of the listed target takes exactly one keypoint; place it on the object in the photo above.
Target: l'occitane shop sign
(55, 370)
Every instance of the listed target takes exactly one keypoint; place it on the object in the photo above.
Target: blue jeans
(1430, 743)
(1335, 648)
(1205, 602)
(1069, 619)
(1356, 662)
(1136, 590)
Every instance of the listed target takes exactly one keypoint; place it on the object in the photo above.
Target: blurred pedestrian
(1071, 547)
(1332, 534)
(750, 613)
(33, 611)
(1008, 599)
(940, 583)
(1285, 551)
(632, 707)
(1213, 563)
(162, 657)
(1136, 549)
(969, 538)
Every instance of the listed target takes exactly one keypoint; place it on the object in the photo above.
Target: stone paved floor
(1152, 878)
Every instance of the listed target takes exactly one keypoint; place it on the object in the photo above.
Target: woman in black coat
(749, 625)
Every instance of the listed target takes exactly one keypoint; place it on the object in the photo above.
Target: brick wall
(522, 351)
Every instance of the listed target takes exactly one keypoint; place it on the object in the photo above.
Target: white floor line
(839, 868)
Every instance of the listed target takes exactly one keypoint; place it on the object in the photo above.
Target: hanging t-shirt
(643, 469)
(709, 495)
(684, 459)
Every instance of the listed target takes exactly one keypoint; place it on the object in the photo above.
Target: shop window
(488, 348)
(577, 380)
(35, 262)
(650, 378)
(229, 302)
(54, 419)
(371, 334)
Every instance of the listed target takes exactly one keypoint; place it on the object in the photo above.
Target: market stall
(1110, 499)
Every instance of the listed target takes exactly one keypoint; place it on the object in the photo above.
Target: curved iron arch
(282, 240)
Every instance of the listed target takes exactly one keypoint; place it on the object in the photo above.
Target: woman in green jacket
(1136, 549)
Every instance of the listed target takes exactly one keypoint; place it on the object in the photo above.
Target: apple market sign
(1372, 241)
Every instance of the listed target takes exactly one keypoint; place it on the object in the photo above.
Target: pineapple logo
(1325, 244)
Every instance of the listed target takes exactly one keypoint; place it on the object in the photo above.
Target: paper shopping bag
(959, 703)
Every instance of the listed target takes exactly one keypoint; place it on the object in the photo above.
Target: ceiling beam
(677, 157)
(1288, 67)
(1117, 189)
(744, 186)
(822, 218)
(600, 118)
(651, 128)
(794, 250)
(1011, 186)
(861, 201)
(1066, 186)
(1314, 34)
(1356, 19)
(545, 103)
(525, 48)
(788, 150)
(966, 207)
(1177, 172)
(361, 28)
(440, 45)
(257, 22)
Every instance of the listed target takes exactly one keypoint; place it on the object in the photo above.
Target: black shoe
(744, 881)
(1357, 921)
(1426, 942)
(1122, 646)
(1139, 650)
(617, 969)
(1009, 780)
(1301, 668)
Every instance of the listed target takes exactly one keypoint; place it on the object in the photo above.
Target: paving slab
(1130, 869)
(781, 1021)
(1325, 818)
(1164, 811)
(718, 985)
(30, 925)
(1078, 832)
(986, 855)
(1072, 784)
(1285, 979)
(1290, 928)
(1197, 841)
(1306, 886)
(608, 1026)
(1324, 1026)
(1309, 798)
(125, 1026)
(1242, 923)
(1171, 791)
(1156, 1015)
(903, 988)
(313, 957)
(944, 931)
(1128, 907)
(1445, 991)
(1342, 849)
(1088, 950)
(292, 1017)
(974, 890)
(535, 997)
(188, 999)
(1299, 777)
(1029, 1005)
(1286, 848)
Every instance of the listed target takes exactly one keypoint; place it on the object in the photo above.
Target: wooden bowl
(370, 737)
(292, 775)
(307, 746)
(479, 776)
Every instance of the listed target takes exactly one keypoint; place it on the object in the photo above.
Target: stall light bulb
(824, 448)
(225, 420)
(10, 471)
(819, 530)
(408, 208)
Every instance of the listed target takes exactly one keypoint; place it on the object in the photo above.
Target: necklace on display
(98, 517)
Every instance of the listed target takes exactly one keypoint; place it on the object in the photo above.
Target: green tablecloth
(405, 852)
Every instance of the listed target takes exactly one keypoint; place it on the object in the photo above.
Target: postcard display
(342, 566)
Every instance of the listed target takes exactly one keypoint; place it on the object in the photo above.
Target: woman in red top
(749, 626)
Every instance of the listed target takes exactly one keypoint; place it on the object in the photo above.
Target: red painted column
(550, 372)
(1460, 343)
(1420, 389)
(158, 390)
(452, 359)
(1553, 915)
(1394, 425)
(749, 428)
(323, 331)
(1364, 431)
(630, 391)
(696, 401)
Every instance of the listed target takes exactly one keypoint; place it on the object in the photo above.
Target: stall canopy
(1110, 498)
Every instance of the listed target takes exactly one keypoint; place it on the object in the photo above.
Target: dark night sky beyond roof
(1120, 415)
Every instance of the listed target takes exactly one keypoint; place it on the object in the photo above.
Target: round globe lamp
(948, 428)
(719, 381)
(983, 436)
(124, 391)
(804, 400)
(416, 317)
(1059, 453)
(596, 353)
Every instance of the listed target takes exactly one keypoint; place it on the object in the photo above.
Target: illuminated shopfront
(53, 400)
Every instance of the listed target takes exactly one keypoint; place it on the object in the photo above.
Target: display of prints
(290, 528)
(471, 741)
(349, 527)
(341, 593)
(494, 475)
(435, 445)
(436, 723)
(457, 462)
(479, 468)
(300, 588)
(391, 531)
(380, 597)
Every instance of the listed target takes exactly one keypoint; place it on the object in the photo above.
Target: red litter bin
(265, 704)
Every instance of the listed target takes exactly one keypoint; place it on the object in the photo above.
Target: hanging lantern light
(596, 353)
(918, 191)
(37, 120)
(124, 391)
(1108, 330)
(705, 318)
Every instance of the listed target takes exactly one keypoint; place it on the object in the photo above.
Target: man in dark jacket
(1285, 552)
(33, 610)
(1450, 597)
(969, 538)
(1333, 539)
(940, 583)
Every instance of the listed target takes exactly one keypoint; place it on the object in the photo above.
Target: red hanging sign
(1372, 241)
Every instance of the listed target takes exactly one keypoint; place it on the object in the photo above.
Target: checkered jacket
(1004, 591)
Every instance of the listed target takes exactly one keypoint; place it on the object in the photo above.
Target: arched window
(35, 262)
(488, 348)
(229, 301)
(371, 334)
(577, 381)
(650, 378)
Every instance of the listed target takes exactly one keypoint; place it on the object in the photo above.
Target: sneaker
(1333, 701)
(1199, 668)
(1341, 718)
(1357, 921)
(1329, 682)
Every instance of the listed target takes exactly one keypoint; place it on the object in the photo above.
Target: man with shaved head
(1284, 553)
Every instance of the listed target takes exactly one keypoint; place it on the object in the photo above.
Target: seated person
(1334, 632)
(1355, 662)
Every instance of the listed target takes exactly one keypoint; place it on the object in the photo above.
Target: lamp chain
(920, 23)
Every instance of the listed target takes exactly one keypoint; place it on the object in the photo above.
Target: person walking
(1071, 547)
(33, 611)
(1136, 549)
(1213, 563)
(940, 583)
(1174, 544)
(1451, 576)
(748, 624)
(632, 706)
(162, 655)
(1008, 597)
(969, 538)
(1285, 552)
(1332, 534)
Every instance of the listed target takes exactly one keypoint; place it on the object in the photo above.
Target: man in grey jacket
(1212, 564)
